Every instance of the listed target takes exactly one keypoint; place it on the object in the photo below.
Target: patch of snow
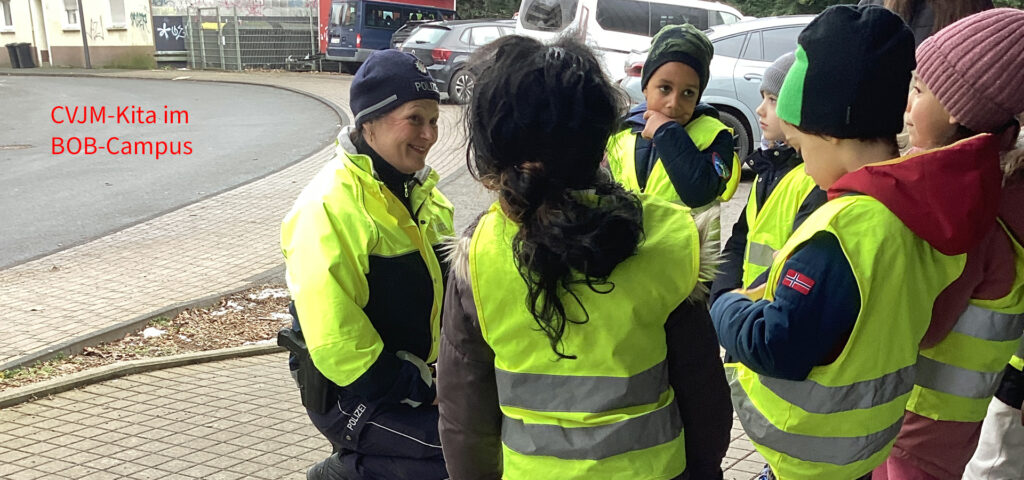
(270, 293)
(269, 341)
(281, 316)
(152, 332)
(184, 338)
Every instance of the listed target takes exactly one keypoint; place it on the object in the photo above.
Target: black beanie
(679, 43)
(851, 74)
(386, 80)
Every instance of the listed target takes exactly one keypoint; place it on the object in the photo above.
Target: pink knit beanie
(975, 67)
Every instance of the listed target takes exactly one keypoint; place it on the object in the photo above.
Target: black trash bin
(12, 51)
(25, 55)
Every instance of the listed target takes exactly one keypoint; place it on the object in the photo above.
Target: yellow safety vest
(841, 421)
(610, 413)
(957, 378)
(622, 161)
(344, 217)
(769, 228)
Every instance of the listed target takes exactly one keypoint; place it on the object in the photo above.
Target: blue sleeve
(804, 325)
(730, 272)
(693, 172)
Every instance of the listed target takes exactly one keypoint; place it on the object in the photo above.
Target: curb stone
(121, 369)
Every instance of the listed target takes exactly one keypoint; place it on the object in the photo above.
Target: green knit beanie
(679, 43)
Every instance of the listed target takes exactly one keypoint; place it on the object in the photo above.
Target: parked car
(743, 51)
(403, 32)
(614, 27)
(444, 48)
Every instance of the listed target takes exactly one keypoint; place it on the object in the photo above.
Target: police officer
(361, 245)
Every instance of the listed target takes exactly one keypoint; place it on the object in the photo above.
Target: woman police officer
(367, 284)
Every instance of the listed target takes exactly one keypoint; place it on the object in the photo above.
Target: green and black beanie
(851, 74)
(679, 43)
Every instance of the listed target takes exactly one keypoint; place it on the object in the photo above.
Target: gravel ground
(245, 318)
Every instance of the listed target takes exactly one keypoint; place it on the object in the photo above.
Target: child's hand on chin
(654, 120)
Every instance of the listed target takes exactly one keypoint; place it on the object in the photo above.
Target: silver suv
(743, 51)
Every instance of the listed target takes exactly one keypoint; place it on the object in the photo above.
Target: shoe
(329, 468)
(765, 474)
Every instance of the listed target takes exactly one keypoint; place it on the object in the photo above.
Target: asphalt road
(51, 199)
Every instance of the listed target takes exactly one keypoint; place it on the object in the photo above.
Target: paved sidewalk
(215, 246)
(230, 419)
(236, 419)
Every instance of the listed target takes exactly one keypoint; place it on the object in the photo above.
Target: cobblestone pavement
(235, 419)
(230, 419)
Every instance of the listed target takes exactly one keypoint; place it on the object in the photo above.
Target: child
(968, 81)
(781, 199)
(826, 358)
(676, 148)
(568, 329)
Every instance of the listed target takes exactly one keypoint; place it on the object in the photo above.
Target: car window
(484, 35)
(507, 31)
(464, 38)
(549, 15)
(753, 50)
(381, 16)
(779, 41)
(426, 35)
(642, 18)
(729, 46)
(343, 14)
(728, 18)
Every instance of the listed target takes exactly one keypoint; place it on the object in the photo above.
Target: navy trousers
(384, 442)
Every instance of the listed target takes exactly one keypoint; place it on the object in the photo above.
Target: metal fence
(223, 40)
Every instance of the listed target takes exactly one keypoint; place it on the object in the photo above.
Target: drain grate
(15, 147)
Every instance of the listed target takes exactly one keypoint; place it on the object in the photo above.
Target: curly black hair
(538, 124)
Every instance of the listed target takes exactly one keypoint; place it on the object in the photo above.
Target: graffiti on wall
(173, 32)
(95, 29)
(140, 20)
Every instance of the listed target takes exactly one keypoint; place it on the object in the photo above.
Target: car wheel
(740, 133)
(460, 89)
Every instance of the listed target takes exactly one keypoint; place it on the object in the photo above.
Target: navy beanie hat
(386, 80)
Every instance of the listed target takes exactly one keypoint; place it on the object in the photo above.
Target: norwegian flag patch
(798, 281)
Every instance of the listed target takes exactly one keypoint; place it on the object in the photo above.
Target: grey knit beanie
(771, 82)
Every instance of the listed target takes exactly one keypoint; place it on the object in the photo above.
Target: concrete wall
(112, 43)
(248, 8)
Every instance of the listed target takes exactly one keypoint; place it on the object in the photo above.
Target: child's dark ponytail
(538, 125)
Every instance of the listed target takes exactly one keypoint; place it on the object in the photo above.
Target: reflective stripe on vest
(811, 448)
(958, 377)
(593, 443)
(612, 408)
(770, 227)
(842, 420)
(561, 393)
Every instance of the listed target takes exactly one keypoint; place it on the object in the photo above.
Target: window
(779, 41)
(343, 14)
(426, 35)
(484, 35)
(729, 46)
(643, 18)
(71, 13)
(382, 16)
(8, 24)
(548, 15)
(753, 50)
(117, 13)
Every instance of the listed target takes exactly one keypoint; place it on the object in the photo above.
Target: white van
(615, 27)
